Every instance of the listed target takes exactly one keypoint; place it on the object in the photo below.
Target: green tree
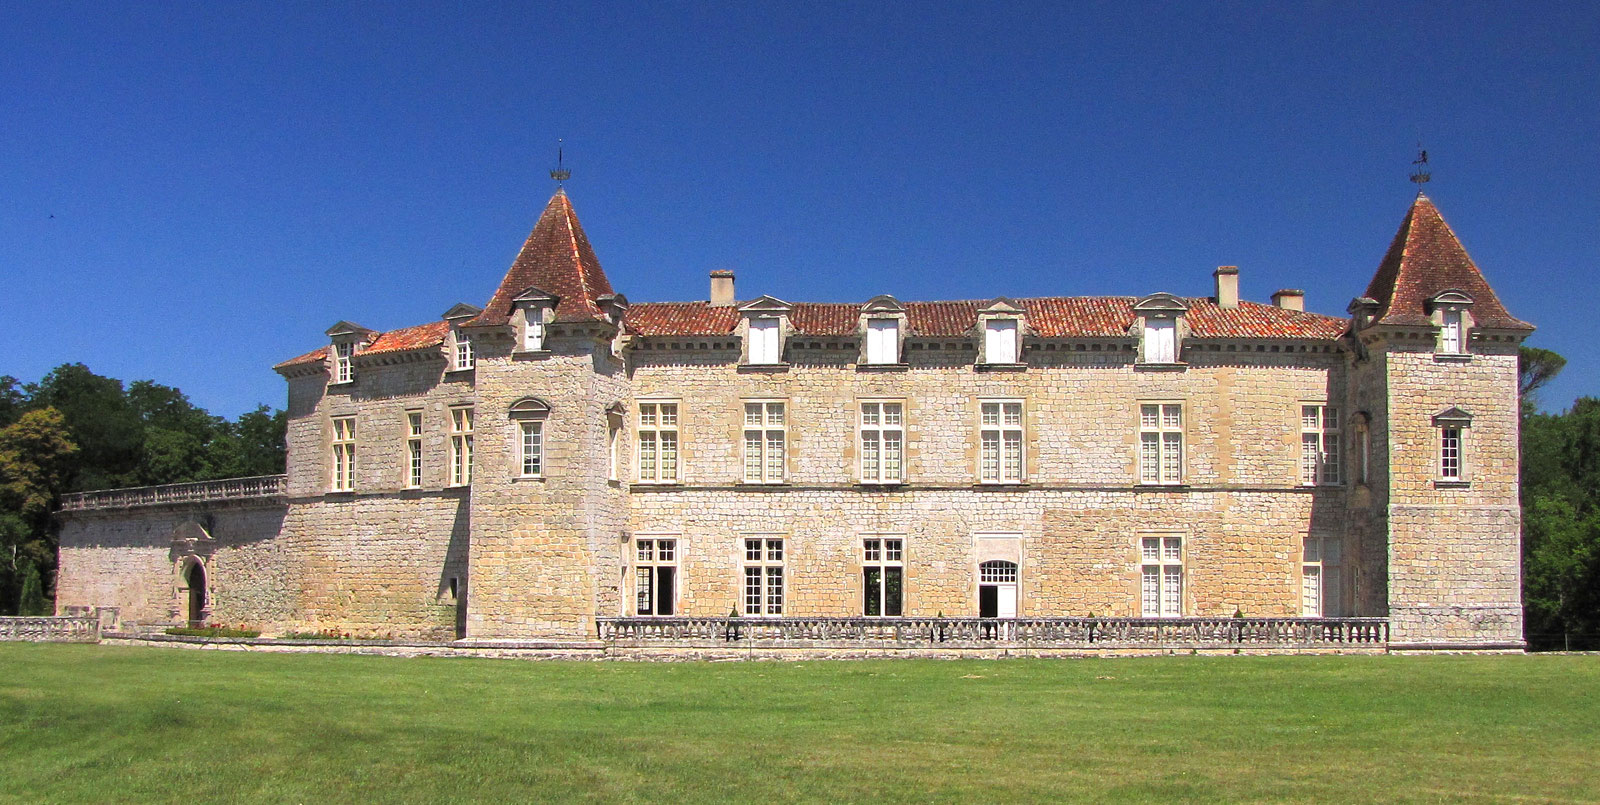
(36, 459)
(101, 420)
(31, 601)
(1536, 367)
(12, 400)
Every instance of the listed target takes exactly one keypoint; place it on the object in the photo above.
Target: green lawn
(98, 724)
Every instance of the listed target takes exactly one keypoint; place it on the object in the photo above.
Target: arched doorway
(997, 589)
(194, 577)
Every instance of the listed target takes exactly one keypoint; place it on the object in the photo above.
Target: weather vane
(1421, 175)
(560, 174)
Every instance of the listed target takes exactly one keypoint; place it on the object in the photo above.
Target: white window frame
(1320, 577)
(530, 448)
(1161, 443)
(1002, 441)
(883, 553)
(766, 340)
(1452, 452)
(652, 551)
(413, 449)
(1160, 340)
(1320, 439)
(462, 356)
(343, 358)
(533, 331)
(1002, 341)
(1161, 575)
(461, 426)
(762, 590)
(344, 454)
(1452, 332)
(883, 341)
(767, 422)
(882, 441)
(659, 444)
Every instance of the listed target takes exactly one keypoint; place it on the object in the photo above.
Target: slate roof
(1047, 317)
(556, 259)
(1424, 259)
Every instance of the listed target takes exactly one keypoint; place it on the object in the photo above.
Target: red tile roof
(1424, 259)
(556, 259)
(1047, 317)
(419, 337)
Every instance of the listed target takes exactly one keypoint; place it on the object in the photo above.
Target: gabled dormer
(1159, 326)
(1451, 311)
(532, 312)
(348, 340)
(764, 327)
(882, 330)
(458, 343)
(1002, 325)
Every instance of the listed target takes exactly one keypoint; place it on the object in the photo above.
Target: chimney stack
(1227, 286)
(722, 288)
(1290, 299)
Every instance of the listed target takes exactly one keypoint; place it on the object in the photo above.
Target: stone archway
(192, 547)
(197, 603)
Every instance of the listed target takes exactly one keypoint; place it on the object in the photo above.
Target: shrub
(212, 631)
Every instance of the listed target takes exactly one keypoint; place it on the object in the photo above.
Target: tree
(12, 400)
(36, 458)
(1536, 367)
(31, 601)
(101, 420)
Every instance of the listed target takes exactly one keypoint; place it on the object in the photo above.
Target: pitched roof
(1048, 317)
(422, 336)
(557, 259)
(1424, 259)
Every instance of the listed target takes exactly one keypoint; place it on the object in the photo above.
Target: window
(658, 442)
(1000, 437)
(882, 434)
(1161, 443)
(1161, 577)
(883, 341)
(1000, 341)
(613, 442)
(765, 346)
(655, 573)
(1319, 578)
(462, 359)
(1450, 453)
(460, 446)
(883, 576)
(413, 449)
(1450, 333)
(342, 352)
(1319, 445)
(530, 449)
(1363, 449)
(344, 454)
(763, 442)
(533, 330)
(763, 576)
(1160, 340)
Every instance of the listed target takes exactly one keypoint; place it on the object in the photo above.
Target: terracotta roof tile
(556, 259)
(1424, 259)
(680, 318)
(422, 336)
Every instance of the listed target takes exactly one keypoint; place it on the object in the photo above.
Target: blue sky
(226, 180)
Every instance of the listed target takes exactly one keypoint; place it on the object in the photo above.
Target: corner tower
(1435, 385)
(547, 510)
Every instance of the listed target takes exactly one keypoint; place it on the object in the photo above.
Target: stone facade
(547, 554)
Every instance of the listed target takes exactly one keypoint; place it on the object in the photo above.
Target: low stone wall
(51, 629)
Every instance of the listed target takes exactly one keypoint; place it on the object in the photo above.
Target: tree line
(75, 431)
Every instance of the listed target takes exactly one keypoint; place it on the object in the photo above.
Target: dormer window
(765, 346)
(883, 341)
(1449, 310)
(533, 332)
(1159, 331)
(462, 357)
(765, 320)
(343, 352)
(1000, 341)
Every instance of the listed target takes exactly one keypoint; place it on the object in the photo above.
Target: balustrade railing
(261, 486)
(75, 629)
(1037, 632)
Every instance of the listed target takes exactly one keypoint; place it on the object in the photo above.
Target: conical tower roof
(558, 260)
(1425, 259)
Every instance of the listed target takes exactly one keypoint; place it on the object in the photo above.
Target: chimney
(722, 288)
(1227, 286)
(1290, 299)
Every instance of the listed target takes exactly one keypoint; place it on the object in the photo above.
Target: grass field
(99, 724)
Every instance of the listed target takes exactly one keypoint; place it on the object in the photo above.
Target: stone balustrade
(70, 629)
(1371, 633)
(227, 489)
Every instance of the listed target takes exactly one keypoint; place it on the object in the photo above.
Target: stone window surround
(1001, 310)
(1160, 560)
(521, 413)
(766, 429)
(1329, 572)
(1002, 428)
(1447, 308)
(676, 542)
(342, 447)
(1455, 423)
(883, 551)
(881, 428)
(764, 309)
(766, 560)
(413, 456)
(1160, 306)
(1326, 471)
(1183, 442)
(879, 309)
(655, 430)
(461, 444)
